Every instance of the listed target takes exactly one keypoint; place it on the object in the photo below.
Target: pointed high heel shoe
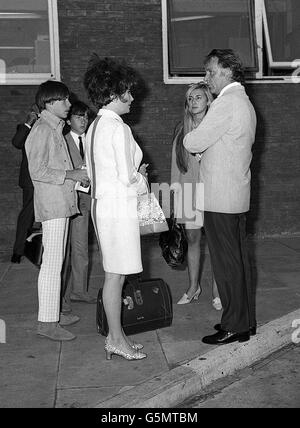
(110, 350)
(186, 299)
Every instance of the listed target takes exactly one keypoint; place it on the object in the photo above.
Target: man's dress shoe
(252, 330)
(223, 337)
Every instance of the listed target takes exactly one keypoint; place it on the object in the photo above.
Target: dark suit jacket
(77, 163)
(19, 142)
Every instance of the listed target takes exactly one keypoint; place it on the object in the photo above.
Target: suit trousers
(75, 270)
(226, 238)
(25, 221)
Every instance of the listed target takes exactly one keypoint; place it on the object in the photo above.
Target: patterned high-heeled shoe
(186, 299)
(110, 350)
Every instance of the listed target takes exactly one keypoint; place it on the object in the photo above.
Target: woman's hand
(143, 170)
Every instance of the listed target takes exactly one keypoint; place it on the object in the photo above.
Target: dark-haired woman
(113, 159)
(184, 177)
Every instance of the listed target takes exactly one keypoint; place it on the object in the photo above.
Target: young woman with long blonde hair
(184, 177)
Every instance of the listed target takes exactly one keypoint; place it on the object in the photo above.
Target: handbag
(150, 215)
(146, 306)
(174, 244)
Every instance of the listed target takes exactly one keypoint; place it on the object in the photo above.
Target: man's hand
(31, 118)
(78, 175)
(33, 115)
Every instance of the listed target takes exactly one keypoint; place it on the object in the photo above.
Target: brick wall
(131, 29)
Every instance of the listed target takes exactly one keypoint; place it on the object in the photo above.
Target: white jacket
(117, 157)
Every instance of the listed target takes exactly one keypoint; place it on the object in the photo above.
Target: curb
(188, 379)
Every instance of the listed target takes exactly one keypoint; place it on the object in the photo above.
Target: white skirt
(117, 230)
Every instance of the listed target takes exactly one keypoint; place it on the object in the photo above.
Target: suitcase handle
(134, 279)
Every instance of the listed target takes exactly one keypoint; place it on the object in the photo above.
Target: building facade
(132, 30)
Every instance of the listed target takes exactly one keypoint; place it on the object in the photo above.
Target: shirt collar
(75, 136)
(109, 113)
(231, 85)
(53, 120)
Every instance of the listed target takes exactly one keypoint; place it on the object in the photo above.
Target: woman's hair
(228, 59)
(49, 92)
(106, 79)
(188, 125)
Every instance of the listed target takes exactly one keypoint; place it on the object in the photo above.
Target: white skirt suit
(113, 158)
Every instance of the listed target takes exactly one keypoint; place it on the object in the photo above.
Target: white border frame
(38, 78)
(260, 15)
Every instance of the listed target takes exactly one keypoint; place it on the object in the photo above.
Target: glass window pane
(198, 26)
(283, 18)
(24, 36)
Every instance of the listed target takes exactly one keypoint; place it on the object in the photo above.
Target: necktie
(81, 147)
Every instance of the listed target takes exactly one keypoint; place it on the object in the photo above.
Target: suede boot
(53, 331)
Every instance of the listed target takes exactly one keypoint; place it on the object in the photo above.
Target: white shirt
(231, 85)
(76, 139)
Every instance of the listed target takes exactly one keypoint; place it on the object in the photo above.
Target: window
(265, 33)
(29, 48)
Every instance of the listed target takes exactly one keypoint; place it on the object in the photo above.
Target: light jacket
(117, 156)
(225, 136)
(48, 161)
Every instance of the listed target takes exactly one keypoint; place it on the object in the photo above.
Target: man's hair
(228, 59)
(50, 91)
(79, 108)
(106, 79)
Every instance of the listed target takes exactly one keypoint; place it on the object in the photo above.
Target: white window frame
(273, 64)
(260, 26)
(38, 78)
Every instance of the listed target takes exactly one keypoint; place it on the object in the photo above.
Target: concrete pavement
(37, 372)
(273, 382)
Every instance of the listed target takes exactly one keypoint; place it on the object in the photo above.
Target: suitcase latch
(128, 302)
(138, 297)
